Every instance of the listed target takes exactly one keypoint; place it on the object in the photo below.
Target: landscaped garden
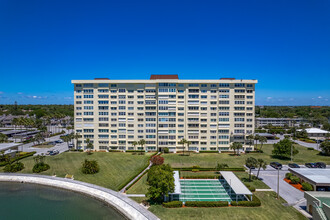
(116, 169)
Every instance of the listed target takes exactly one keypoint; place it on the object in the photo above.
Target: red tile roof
(174, 76)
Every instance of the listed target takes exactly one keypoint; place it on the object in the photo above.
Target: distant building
(280, 122)
(319, 178)
(316, 133)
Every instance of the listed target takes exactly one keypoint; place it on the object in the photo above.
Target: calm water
(29, 201)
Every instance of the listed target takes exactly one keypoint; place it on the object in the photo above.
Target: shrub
(294, 179)
(221, 166)
(206, 204)
(40, 167)
(173, 204)
(288, 175)
(21, 156)
(166, 150)
(13, 168)
(90, 167)
(307, 187)
(195, 170)
(157, 160)
(254, 203)
(196, 167)
(310, 148)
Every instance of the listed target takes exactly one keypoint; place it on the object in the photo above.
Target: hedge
(251, 188)
(208, 151)
(173, 204)
(206, 204)
(3, 163)
(130, 185)
(288, 175)
(294, 179)
(210, 169)
(307, 187)
(202, 177)
(135, 151)
(254, 203)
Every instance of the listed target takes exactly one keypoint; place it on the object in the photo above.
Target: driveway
(287, 192)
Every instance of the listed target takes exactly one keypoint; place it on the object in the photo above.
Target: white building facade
(211, 114)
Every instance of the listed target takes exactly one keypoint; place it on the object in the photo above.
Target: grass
(271, 209)
(258, 184)
(211, 159)
(138, 199)
(199, 173)
(140, 187)
(115, 168)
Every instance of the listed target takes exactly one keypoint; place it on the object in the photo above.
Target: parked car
(53, 152)
(321, 165)
(276, 165)
(293, 165)
(311, 165)
(250, 167)
(70, 145)
(59, 141)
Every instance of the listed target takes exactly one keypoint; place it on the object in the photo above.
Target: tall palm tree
(250, 138)
(89, 146)
(142, 142)
(256, 138)
(262, 140)
(261, 164)
(188, 143)
(183, 142)
(134, 144)
(251, 162)
(236, 146)
(76, 136)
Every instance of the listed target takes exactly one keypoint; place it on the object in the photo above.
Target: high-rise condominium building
(210, 114)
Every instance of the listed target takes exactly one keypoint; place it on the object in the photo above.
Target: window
(224, 85)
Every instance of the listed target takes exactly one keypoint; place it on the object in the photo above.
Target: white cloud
(269, 98)
(34, 96)
(320, 97)
(20, 93)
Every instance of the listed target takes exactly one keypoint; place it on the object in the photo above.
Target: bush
(310, 148)
(307, 187)
(157, 160)
(40, 167)
(288, 175)
(21, 156)
(294, 179)
(251, 188)
(13, 168)
(166, 150)
(173, 204)
(90, 167)
(254, 203)
(206, 204)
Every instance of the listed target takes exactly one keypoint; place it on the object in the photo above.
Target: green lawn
(140, 187)
(43, 146)
(115, 168)
(258, 184)
(211, 159)
(271, 209)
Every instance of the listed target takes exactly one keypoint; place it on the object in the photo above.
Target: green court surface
(203, 190)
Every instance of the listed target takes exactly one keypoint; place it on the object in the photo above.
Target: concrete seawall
(124, 205)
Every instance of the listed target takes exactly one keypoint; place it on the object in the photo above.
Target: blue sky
(283, 44)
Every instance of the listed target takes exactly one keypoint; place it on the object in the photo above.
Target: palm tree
(236, 146)
(76, 136)
(89, 146)
(251, 162)
(262, 140)
(188, 143)
(142, 142)
(134, 144)
(183, 142)
(261, 164)
(256, 138)
(250, 138)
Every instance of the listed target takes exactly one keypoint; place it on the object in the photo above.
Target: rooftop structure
(237, 186)
(316, 133)
(291, 122)
(318, 204)
(317, 177)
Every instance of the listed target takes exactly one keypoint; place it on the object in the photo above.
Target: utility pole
(278, 183)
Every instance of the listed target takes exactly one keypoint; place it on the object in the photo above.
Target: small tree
(89, 146)
(261, 164)
(160, 181)
(262, 140)
(236, 146)
(325, 146)
(157, 160)
(142, 142)
(250, 163)
(250, 138)
(283, 149)
(183, 142)
(90, 167)
(40, 165)
(256, 138)
(3, 138)
(221, 166)
(134, 144)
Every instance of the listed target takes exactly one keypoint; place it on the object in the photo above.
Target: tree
(160, 181)
(236, 146)
(261, 164)
(90, 167)
(3, 138)
(250, 138)
(76, 136)
(325, 146)
(183, 142)
(40, 165)
(39, 138)
(256, 138)
(89, 146)
(134, 144)
(157, 160)
(262, 140)
(283, 149)
(142, 142)
(251, 162)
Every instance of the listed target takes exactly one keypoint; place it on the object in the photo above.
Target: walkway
(123, 204)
